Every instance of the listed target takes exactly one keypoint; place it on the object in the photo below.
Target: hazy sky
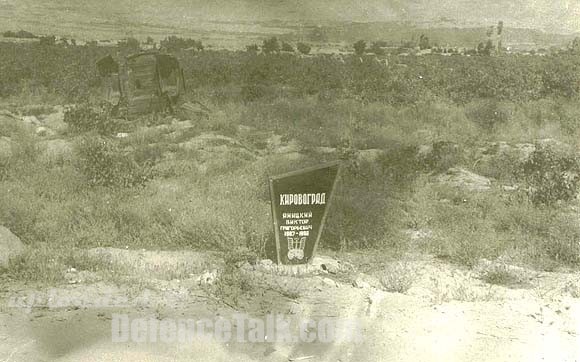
(551, 15)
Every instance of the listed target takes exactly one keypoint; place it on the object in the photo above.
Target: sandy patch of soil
(448, 314)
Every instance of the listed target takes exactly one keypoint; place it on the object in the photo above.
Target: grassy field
(425, 115)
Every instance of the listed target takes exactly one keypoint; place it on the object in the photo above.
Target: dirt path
(540, 323)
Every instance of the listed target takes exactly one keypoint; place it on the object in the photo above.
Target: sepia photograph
(298, 180)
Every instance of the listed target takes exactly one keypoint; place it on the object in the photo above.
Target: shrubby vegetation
(87, 117)
(303, 48)
(460, 79)
(69, 71)
(271, 45)
(104, 163)
(360, 47)
(552, 175)
(22, 34)
(147, 191)
(174, 43)
(66, 74)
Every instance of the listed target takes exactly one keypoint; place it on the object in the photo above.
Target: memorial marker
(300, 201)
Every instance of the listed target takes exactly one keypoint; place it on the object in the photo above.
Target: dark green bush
(271, 45)
(103, 163)
(551, 174)
(489, 113)
(303, 48)
(253, 92)
(444, 155)
(86, 117)
(400, 166)
(174, 43)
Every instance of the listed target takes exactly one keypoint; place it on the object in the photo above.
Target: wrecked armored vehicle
(145, 83)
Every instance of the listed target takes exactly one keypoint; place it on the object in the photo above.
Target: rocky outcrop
(214, 143)
(55, 121)
(371, 155)
(519, 152)
(43, 131)
(464, 179)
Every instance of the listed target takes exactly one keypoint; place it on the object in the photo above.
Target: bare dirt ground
(448, 314)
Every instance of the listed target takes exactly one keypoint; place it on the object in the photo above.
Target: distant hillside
(238, 22)
(560, 16)
(395, 33)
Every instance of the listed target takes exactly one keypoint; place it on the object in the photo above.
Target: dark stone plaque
(300, 202)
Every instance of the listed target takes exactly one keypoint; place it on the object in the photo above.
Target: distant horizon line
(312, 23)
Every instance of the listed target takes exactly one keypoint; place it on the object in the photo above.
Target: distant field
(233, 25)
(87, 21)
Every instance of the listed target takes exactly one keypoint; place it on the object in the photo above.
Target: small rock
(520, 152)
(30, 120)
(326, 150)
(122, 135)
(359, 283)
(274, 141)
(459, 177)
(73, 276)
(290, 157)
(288, 147)
(510, 188)
(243, 128)
(182, 124)
(43, 131)
(371, 155)
(213, 143)
(419, 234)
(208, 278)
(163, 128)
(327, 264)
(266, 263)
(329, 282)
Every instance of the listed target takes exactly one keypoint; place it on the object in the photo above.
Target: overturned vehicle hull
(146, 83)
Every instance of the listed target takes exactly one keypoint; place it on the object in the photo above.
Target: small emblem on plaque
(296, 248)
